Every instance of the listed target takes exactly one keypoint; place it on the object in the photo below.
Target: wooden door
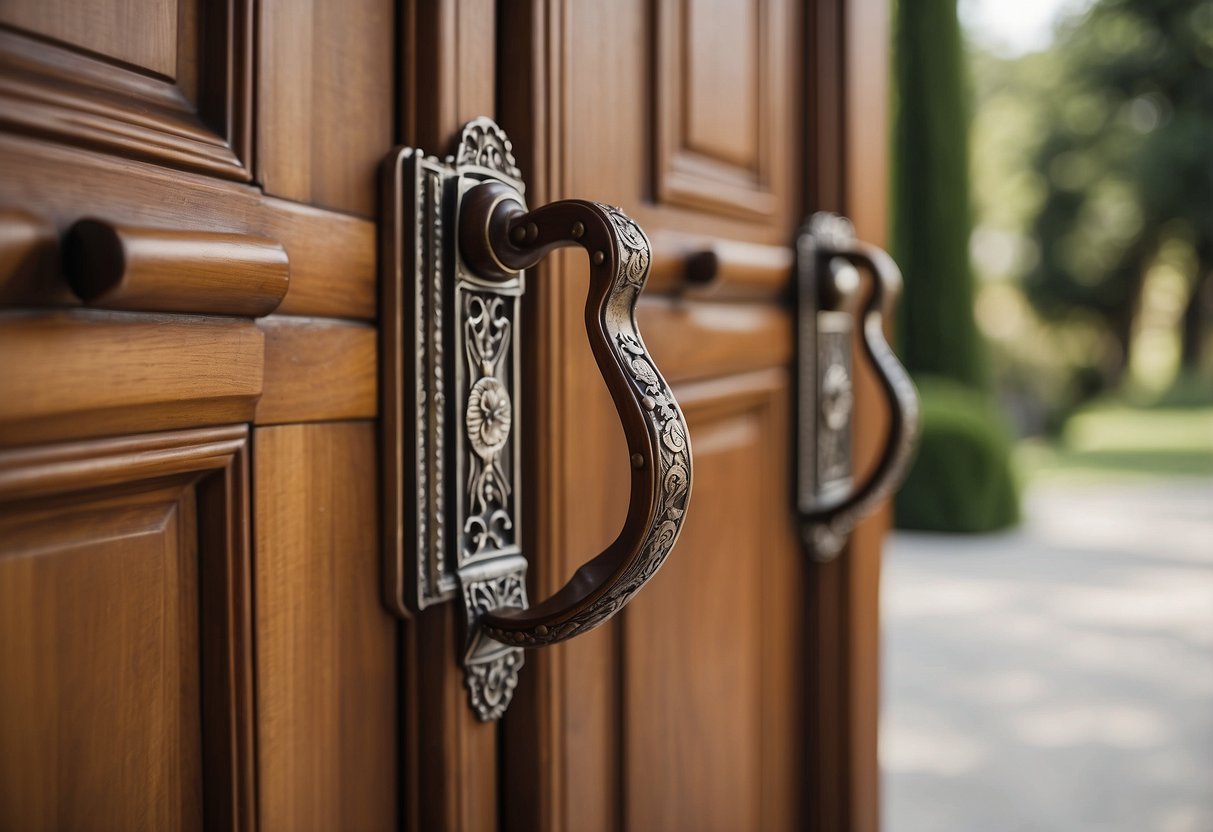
(191, 631)
(189, 553)
(719, 127)
(739, 689)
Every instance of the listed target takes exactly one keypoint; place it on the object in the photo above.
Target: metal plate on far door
(451, 393)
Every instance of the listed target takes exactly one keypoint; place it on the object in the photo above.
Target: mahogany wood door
(191, 630)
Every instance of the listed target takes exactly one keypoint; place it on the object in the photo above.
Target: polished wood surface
(72, 374)
(318, 369)
(139, 32)
(131, 697)
(714, 641)
(326, 648)
(722, 107)
(99, 636)
(118, 560)
(29, 253)
(332, 255)
(699, 267)
(123, 267)
(193, 117)
(682, 713)
(196, 471)
(325, 89)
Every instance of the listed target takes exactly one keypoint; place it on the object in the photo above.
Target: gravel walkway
(1059, 677)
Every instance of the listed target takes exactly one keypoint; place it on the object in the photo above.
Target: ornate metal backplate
(450, 357)
(828, 499)
(825, 396)
(457, 240)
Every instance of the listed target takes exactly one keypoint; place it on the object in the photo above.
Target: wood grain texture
(568, 739)
(138, 32)
(721, 43)
(29, 262)
(694, 339)
(332, 255)
(318, 370)
(706, 267)
(197, 122)
(73, 374)
(207, 272)
(710, 650)
(721, 104)
(849, 87)
(327, 649)
(451, 758)
(124, 630)
(98, 636)
(324, 66)
(867, 178)
(451, 74)
(457, 775)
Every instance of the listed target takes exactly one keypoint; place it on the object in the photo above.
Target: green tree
(961, 480)
(1127, 162)
(931, 212)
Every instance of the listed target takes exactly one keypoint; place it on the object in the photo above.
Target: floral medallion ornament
(488, 417)
(836, 397)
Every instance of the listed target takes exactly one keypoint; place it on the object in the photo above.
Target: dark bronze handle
(499, 238)
(827, 520)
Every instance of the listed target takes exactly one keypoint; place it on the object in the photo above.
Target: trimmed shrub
(961, 480)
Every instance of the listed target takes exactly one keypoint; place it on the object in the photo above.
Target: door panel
(158, 79)
(710, 650)
(145, 34)
(326, 113)
(326, 663)
(678, 714)
(146, 548)
(719, 105)
(114, 588)
(118, 560)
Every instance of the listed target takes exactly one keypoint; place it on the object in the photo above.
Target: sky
(1014, 27)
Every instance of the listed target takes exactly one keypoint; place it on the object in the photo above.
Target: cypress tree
(961, 480)
(931, 217)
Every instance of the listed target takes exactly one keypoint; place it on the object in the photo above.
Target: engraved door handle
(459, 237)
(498, 234)
(829, 503)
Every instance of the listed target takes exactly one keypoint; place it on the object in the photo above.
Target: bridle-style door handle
(828, 500)
(458, 240)
(500, 238)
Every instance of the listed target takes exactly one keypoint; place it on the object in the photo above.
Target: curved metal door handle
(828, 501)
(457, 239)
(498, 235)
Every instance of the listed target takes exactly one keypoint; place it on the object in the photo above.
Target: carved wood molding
(689, 173)
(58, 92)
(77, 373)
(80, 466)
(208, 468)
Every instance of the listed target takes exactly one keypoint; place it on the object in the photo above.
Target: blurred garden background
(1049, 610)
(1054, 215)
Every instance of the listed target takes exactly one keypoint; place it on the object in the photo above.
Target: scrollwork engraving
(483, 144)
(488, 419)
(491, 669)
(666, 426)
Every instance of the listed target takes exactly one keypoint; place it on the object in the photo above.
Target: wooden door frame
(848, 118)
